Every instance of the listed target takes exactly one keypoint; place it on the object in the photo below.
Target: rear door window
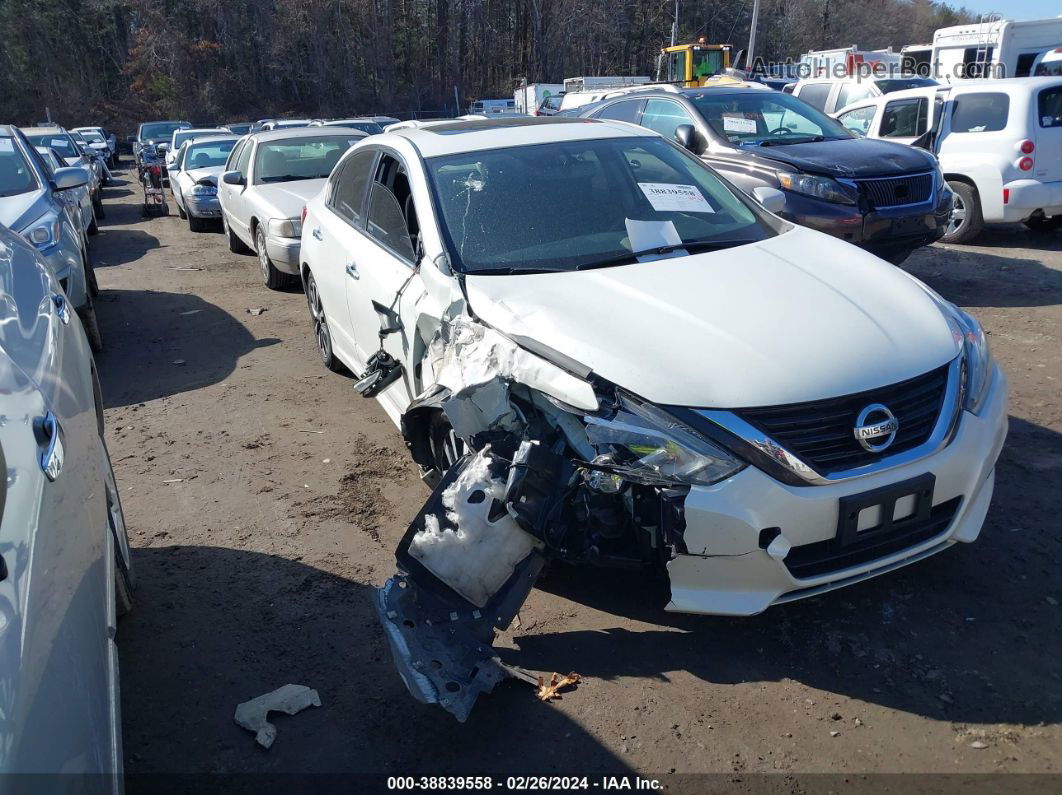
(981, 112)
(1049, 106)
(904, 118)
(664, 116)
(621, 111)
(348, 198)
(815, 94)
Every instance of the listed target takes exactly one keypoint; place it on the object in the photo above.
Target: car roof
(187, 130)
(302, 132)
(43, 130)
(456, 136)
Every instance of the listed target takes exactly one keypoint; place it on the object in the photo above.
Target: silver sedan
(65, 568)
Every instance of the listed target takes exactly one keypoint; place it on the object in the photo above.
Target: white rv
(993, 47)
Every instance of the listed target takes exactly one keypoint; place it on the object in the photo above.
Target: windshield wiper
(810, 139)
(285, 178)
(689, 248)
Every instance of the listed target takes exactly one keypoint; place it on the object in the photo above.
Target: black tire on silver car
(321, 334)
(124, 580)
(966, 221)
(180, 211)
(93, 227)
(89, 321)
(272, 278)
(236, 246)
(97, 205)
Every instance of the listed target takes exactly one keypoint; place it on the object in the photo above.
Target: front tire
(236, 246)
(273, 278)
(181, 213)
(91, 325)
(966, 221)
(321, 333)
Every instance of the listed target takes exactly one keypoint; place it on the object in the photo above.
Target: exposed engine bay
(539, 480)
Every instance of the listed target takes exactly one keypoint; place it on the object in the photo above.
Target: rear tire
(124, 579)
(97, 205)
(322, 335)
(966, 220)
(93, 227)
(1042, 225)
(274, 279)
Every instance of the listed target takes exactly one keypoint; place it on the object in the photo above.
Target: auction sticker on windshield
(666, 197)
(6, 145)
(739, 124)
(58, 142)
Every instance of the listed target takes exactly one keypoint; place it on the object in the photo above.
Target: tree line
(116, 62)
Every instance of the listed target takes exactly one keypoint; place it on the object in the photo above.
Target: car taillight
(1027, 147)
(1006, 195)
(1025, 164)
(303, 219)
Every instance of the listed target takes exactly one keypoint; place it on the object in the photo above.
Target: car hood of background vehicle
(17, 211)
(851, 157)
(289, 197)
(210, 173)
(801, 316)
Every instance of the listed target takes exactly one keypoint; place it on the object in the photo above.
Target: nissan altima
(599, 351)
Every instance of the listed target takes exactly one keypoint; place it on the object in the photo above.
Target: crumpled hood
(801, 316)
(854, 157)
(17, 211)
(289, 197)
(210, 174)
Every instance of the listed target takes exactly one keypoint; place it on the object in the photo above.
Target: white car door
(380, 274)
(341, 246)
(236, 197)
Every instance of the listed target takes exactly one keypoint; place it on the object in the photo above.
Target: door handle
(62, 307)
(352, 270)
(317, 233)
(50, 441)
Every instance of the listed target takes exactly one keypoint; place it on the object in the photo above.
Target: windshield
(160, 131)
(583, 204)
(93, 138)
(299, 158)
(707, 63)
(889, 84)
(15, 174)
(240, 129)
(766, 118)
(206, 154)
(60, 142)
(180, 137)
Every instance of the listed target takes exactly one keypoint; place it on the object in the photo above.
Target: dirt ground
(265, 498)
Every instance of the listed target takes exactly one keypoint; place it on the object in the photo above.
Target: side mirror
(772, 199)
(686, 136)
(233, 178)
(72, 177)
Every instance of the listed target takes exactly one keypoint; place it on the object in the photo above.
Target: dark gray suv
(887, 198)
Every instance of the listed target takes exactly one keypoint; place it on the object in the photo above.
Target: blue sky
(1014, 9)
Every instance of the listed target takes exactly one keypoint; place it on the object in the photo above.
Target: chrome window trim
(777, 454)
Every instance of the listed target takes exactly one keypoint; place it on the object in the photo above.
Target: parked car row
(51, 194)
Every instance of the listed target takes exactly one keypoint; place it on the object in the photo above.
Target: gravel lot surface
(265, 498)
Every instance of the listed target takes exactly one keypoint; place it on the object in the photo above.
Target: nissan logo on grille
(875, 428)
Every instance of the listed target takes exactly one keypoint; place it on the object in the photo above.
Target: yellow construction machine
(691, 65)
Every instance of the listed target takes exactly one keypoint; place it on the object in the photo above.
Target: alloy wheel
(958, 214)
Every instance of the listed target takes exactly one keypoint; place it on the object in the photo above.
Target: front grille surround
(897, 191)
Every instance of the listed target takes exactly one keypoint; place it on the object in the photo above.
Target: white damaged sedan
(601, 352)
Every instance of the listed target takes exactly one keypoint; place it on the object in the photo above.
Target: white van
(994, 48)
(529, 97)
(999, 143)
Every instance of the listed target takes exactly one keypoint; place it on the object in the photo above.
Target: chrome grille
(820, 432)
(895, 191)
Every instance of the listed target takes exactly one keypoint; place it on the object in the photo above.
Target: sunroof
(474, 125)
